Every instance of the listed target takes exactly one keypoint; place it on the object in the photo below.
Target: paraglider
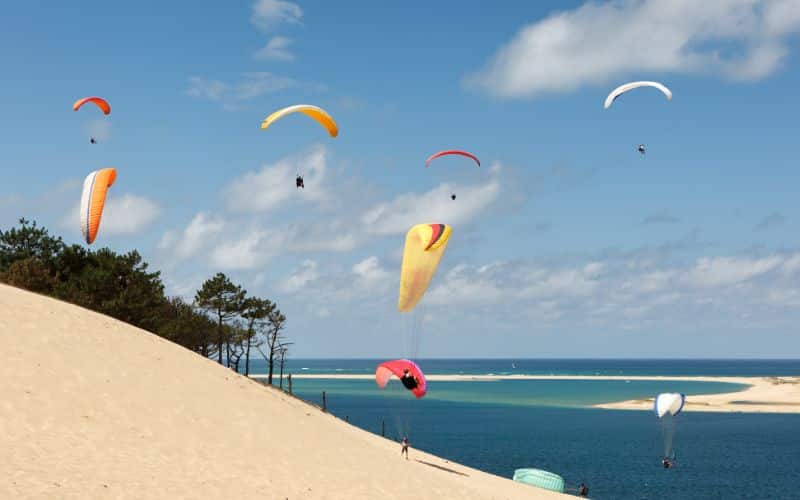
(408, 372)
(540, 478)
(320, 115)
(452, 152)
(666, 407)
(93, 199)
(424, 247)
(641, 149)
(97, 101)
(634, 85)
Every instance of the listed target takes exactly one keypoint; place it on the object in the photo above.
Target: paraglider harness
(299, 182)
(409, 381)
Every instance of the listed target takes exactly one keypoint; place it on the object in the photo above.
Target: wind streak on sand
(762, 394)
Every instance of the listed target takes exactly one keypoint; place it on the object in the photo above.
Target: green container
(540, 478)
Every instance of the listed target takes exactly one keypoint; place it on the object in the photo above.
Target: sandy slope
(763, 394)
(95, 408)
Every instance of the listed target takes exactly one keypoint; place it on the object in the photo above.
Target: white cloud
(125, 214)
(301, 277)
(274, 185)
(369, 273)
(252, 249)
(725, 271)
(269, 13)
(128, 214)
(597, 43)
(197, 235)
(276, 49)
(252, 85)
(435, 206)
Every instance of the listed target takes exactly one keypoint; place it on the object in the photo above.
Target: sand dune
(95, 408)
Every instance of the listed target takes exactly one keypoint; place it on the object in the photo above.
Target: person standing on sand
(583, 491)
(404, 450)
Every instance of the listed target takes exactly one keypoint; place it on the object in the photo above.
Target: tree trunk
(219, 337)
(281, 382)
(247, 352)
(271, 365)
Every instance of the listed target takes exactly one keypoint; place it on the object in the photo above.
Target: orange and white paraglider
(93, 199)
(320, 115)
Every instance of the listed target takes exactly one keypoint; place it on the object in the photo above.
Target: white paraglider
(635, 85)
(666, 407)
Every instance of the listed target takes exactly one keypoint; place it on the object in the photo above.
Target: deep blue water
(500, 426)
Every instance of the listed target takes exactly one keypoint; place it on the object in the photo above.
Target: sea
(500, 426)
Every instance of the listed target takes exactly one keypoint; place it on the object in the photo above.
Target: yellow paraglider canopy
(425, 244)
(317, 113)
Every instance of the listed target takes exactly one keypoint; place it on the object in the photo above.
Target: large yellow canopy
(317, 113)
(425, 244)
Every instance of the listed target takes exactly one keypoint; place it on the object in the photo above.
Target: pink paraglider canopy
(385, 371)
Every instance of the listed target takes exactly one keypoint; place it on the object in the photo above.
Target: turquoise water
(562, 393)
(500, 426)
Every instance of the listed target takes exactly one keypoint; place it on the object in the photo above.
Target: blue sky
(565, 242)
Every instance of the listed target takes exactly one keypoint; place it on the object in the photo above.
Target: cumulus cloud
(305, 274)
(396, 216)
(600, 42)
(369, 273)
(249, 250)
(273, 185)
(126, 214)
(197, 235)
(605, 290)
(269, 13)
(276, 49)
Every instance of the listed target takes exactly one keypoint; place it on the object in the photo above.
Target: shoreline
(760, 394)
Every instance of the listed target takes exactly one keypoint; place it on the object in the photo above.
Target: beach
(761, 394)
(95, 408)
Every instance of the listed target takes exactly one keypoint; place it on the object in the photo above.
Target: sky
(566, 242)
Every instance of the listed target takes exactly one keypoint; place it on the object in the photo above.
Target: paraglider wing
(452, 152)
(425, 245)
(317, 113)
(396, 368)
(540, 478)
(634, 85)
(93, 199)
(98, 101)
(668, 403)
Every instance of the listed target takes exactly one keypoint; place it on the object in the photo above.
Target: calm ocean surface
(503, 425)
